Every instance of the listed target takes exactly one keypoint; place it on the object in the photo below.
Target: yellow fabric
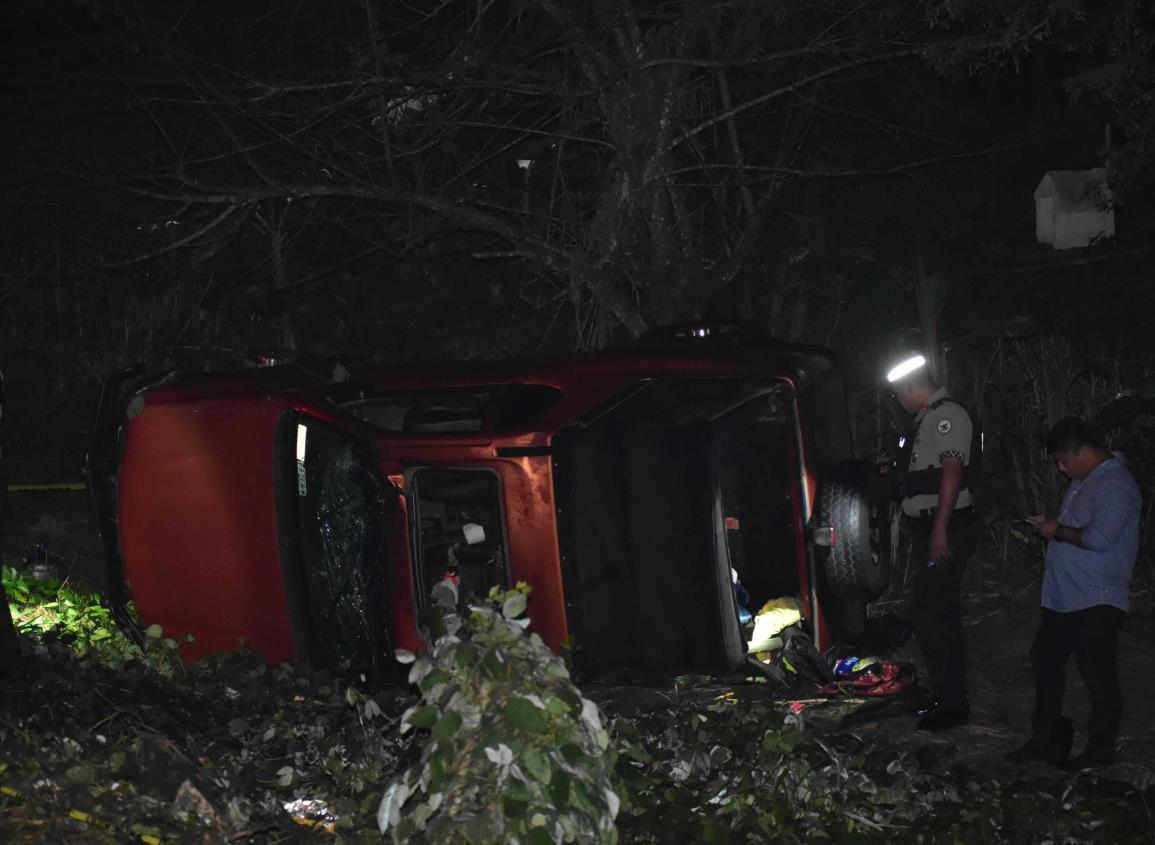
(775, 615)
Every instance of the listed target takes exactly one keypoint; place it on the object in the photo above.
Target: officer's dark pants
(936, 603)
(1091, 635)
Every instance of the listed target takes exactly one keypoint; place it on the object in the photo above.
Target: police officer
(937, 488)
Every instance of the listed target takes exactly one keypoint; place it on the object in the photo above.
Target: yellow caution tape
(87, 818)
(37, 488)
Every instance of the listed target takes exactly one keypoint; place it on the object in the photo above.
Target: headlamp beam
(905, 368)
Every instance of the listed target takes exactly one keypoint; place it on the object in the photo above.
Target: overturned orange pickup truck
(650, 497)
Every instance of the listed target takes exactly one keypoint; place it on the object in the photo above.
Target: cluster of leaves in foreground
(128, 734)
(730, 772)
(515, 753)
(256, 747)
(260, 746)
(53, 613)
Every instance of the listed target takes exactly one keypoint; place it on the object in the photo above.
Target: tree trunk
(929, 293)
(9, 644)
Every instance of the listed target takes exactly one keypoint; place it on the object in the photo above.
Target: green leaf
(538, 836)
(715, 834)
(493, 666)
(514, 808)
(423, 717)
(154, 632)
(447, 726)
(557, 707)
(559, 789)
(523, 714)
(285, 775)
(514, 605)
(782, 740)
(466, 656)
(536, 763)
(437, 676)
(81, 775)
(479, 830)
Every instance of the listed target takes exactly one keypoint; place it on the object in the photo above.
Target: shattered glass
(340, 507)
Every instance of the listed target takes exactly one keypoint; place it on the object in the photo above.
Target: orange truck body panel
(197, 505)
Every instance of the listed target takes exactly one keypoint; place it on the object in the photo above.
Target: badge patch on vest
(943, 427)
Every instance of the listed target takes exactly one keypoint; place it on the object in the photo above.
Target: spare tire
(849, 619)
(857, 561)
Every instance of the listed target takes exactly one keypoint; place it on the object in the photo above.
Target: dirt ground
(56, 530)
(1000, 628)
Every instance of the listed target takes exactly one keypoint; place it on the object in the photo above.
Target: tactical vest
(925, 482)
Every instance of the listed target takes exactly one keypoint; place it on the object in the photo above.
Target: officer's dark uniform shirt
(943, 430)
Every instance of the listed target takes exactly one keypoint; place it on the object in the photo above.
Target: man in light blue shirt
(1091, 550)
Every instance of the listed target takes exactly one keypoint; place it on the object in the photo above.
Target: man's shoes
(1052, 746)
(926, 706)
(1034, 750)
(1089, 759)
(943, 717)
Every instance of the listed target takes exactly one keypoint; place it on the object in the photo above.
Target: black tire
(850, 620)
(885, 516)
(857, 565)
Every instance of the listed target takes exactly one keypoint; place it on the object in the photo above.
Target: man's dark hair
(1071, 434)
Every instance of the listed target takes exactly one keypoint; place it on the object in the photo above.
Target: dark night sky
(289, 140)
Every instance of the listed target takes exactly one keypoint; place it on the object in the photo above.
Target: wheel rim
(884, 543)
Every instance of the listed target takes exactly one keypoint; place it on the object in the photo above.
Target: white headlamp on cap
(905, 368)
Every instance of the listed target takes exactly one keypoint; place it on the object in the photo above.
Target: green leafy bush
(50, 610)
(730, 772)
(733, 772)
(500, 748)
(515, 753)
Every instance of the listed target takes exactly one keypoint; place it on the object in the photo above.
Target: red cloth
(881, 681)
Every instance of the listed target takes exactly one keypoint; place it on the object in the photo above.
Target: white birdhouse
(1073, 208)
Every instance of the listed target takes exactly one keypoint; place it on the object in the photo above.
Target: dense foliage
(225, 747)
(515, 753)
(63, 617)
(727, 772)
(237, 752)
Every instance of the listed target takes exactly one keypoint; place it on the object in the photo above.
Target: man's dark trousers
(936, 603)
(1091, 635)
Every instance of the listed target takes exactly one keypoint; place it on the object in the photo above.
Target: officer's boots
(1048, 744)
